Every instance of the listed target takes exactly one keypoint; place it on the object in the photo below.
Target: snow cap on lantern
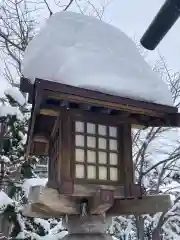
(83, 51)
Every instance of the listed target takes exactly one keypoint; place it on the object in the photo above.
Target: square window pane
(79, 155)
(79, 126)
(113, 144)
(91, 128)
(91, 156)
(113, 174)
(80, 173)
(91, 142)
(103, 173)
(80, 140)
(113, 131)
(102, 130)
(102, 143)
(113, 158)
(91, 172)
(102, 158)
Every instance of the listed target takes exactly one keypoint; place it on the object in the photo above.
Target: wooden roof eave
(137, 121)
(43, 89)
(97, 98)
(71, 93)
(174, 118)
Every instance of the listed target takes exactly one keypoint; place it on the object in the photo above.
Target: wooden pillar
(54, 156)
(128, 170)
(66, 182)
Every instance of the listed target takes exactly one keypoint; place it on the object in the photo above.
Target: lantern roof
(48, 98)
(84, 52)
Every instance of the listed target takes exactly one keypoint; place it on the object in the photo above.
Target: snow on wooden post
(83, 112)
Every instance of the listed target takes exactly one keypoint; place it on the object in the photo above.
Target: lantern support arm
(147, 204)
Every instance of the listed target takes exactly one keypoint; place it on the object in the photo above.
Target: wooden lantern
(87, 136)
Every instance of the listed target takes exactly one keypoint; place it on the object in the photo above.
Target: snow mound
(83, 51)
(7, 110)
(4, 199)
(5, 159)
(44, 223)
(15, 93)
(31, 182)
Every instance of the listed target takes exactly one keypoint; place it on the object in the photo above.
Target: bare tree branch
(48, 7)
(6, 38)
(79, 7)
(69, 4)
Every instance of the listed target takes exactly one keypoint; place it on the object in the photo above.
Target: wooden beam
(89, 190)
(67, 156)
(40, 211)
(174, 119)
(127, 159)
(134, 105)
(49, 112)
(56, 123)
(52, 200)
(147, 205)
(100, 103)
(51, 204)
(137, 126)
(88, 115)
(40, 138)
(138, 121)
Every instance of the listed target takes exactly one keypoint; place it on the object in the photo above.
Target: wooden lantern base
(46, 202)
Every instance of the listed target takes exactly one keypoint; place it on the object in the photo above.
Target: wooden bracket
(102, 201)
(49, 200)
(66, 187)
(135, 191)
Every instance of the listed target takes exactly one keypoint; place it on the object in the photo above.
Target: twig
(6, 38)
(81, 11)
(48, 7)
(69, 4)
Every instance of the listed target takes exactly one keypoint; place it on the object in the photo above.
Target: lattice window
(96, 152)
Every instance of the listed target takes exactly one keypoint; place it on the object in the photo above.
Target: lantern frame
(57, 106)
